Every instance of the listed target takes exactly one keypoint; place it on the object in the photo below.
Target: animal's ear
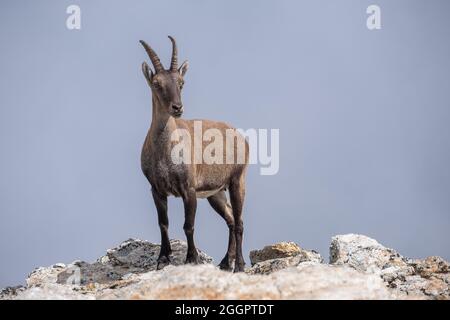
(148, 73)
(184, 68)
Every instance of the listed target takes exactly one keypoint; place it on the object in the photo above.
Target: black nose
(177, 107)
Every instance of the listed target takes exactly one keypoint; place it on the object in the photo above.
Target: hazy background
(363, 118)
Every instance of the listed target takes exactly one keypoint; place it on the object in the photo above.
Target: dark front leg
(163, 220)
(190, 207)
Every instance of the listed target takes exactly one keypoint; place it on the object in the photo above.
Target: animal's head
(165, 84)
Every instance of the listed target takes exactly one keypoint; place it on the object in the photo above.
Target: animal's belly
(207, 193)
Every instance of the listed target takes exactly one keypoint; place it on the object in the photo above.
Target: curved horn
(153, 56)
(174, 62)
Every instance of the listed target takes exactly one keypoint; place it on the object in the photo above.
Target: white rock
(309, 281)
(420, 278)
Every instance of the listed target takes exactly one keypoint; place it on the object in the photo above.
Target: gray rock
(131, 256)
(10, 292)
(363, 253)
(428, 278)
(138, 255)
(272, 265)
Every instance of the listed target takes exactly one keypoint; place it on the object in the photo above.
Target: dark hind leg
(190, 207)
(163, 220)
(237, 195)
(220, 204)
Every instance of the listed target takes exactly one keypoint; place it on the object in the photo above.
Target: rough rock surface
(280, 256)
(283, 250)
(429, 278)
(360, 268)
(307, 281)
(131, 256)
(207, 282)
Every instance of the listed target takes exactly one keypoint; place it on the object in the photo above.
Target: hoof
(163, 261)
(225, 264)
(225, 267)
(239, 267)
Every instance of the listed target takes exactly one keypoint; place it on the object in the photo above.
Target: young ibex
(189, 180)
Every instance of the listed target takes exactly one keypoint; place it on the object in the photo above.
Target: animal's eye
(156, 84)
(181, 84)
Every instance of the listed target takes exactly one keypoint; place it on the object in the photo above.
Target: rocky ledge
(359, 268)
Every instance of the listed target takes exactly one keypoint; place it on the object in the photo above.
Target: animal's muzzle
(177, 109)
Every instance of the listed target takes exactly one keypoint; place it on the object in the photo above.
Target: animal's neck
(162, 125)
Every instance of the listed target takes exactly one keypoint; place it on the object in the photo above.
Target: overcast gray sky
(363, 118)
